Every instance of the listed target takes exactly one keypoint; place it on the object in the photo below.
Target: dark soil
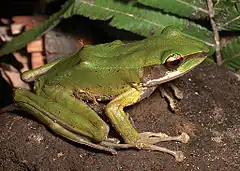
(209, 113)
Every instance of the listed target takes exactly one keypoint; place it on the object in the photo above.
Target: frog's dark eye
(173, 61)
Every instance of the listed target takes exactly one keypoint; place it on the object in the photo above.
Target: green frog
(68, 92)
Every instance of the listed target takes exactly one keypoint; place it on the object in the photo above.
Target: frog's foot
(179, 156)
(176, 92)
(171, 101)
(153, 138)
(147, 141)
(113, 140)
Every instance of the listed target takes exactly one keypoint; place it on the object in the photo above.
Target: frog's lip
(177, 73)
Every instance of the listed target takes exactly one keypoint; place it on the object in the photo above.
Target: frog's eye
(174, 61)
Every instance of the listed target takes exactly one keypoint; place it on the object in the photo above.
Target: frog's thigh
(32, 74)
(65, 116)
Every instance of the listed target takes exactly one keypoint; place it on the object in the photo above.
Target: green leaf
(127, 16)
(140, 20)
(184, 8)
(26, 37)
(227, 14)
(231, 54)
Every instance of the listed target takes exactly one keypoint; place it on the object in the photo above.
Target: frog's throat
(170, 76)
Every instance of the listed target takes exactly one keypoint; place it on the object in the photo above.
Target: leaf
(140, 20)
(122, 15)
(26, 37)
(231, 54)
(184, 8)
(228, 15)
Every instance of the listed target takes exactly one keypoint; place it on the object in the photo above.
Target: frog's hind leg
(81, 124)
(31, 75)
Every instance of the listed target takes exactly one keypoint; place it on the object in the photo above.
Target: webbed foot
(153, 138)
(147, 141)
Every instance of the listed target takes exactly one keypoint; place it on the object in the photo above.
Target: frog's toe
(113, 140)
(179, 156)
(148, 139)
(153, 138)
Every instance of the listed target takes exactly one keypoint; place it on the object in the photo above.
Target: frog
(68, 92)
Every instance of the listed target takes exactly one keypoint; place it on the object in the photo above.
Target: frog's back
(99, 69)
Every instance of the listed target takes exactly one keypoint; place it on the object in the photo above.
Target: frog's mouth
(191, 61)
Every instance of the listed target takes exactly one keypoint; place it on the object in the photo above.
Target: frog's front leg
(146, 140)
(176, 92)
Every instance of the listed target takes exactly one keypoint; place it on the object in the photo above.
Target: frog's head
(179, 54)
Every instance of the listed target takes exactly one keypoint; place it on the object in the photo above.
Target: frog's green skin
(67, 91)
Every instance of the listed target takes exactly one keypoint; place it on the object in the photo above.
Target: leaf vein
(197, 8)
